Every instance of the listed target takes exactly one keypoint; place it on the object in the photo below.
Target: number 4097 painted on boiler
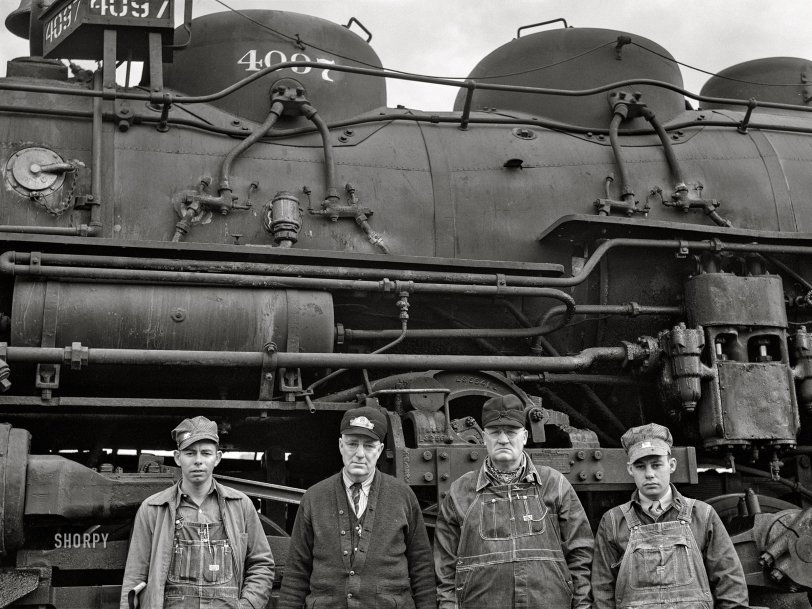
(254, 63)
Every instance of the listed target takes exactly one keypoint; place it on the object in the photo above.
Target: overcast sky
(449, 37)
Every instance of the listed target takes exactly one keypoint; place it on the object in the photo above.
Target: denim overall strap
(630, 515)
(686, 510)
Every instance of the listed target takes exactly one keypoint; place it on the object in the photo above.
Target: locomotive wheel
(727, 506)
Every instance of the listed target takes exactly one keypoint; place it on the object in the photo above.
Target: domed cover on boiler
(785, 80)
(227, 47)
(576, 59)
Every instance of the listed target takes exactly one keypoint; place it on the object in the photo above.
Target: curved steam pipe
(668, 149)
(626, 190)
(329, 159)
(335, 373)
(225, 169)
(631, 309)
(195, 204)
(569, 309)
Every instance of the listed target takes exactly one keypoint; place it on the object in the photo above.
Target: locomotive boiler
(265, 242)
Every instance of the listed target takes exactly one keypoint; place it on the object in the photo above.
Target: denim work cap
(645, 440)
(507, 410)
(365, 421)
(193, 430)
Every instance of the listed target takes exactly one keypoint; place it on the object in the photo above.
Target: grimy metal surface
(232, 48)
(266, 243)
(573, 58)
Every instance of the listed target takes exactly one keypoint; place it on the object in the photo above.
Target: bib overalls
(201, 573)
(662, 567)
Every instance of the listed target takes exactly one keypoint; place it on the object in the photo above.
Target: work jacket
(150, 553)
(521, 545)
(721, 565)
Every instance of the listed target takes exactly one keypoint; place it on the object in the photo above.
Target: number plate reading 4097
(64, 18)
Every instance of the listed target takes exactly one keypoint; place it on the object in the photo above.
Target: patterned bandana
(501, 477)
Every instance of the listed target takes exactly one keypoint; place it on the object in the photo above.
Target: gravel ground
(780, 601)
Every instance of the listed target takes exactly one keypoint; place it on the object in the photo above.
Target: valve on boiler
(282, 217)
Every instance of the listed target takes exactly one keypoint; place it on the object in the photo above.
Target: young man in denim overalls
(662, 549)
(198, 544)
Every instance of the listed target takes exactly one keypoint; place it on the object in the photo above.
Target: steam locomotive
(267, 243)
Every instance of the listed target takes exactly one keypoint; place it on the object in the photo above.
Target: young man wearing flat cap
(359, 541)
(511, 534)
(662, 549)
(198, 544)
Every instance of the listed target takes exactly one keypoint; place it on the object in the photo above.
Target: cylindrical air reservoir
(117, 316)
(227, 47)
(576, 59)
(785, 80)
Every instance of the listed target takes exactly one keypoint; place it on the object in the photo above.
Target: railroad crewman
(359, 540)
(198, 543)
(511, 534)
(661, 548)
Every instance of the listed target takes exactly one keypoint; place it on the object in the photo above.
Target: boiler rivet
(178, 315)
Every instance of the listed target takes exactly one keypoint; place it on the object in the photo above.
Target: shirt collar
(671, 497)
(179, 493)
(365, 485)
(531, 474)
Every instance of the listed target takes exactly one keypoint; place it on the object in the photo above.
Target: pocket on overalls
(661, 566)
(531, 513)
(218, 567)
(198, 563)
(494, 518)
(180, 563)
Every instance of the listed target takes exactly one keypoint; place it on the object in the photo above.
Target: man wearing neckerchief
(512, 534)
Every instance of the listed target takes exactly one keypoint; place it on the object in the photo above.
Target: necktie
(356, 495)
(655, 509)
